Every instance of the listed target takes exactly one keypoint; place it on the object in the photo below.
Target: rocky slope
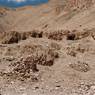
(48, 49)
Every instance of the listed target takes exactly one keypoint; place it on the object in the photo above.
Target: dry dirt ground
(48, 52)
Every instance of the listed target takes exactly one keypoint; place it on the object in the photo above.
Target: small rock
(58, 86)
(36, 87)
(92, 87)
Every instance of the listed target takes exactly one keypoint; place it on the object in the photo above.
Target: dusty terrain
(48, 49)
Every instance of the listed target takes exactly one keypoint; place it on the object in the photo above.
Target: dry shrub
(57, 35)
(80, 66)
(33, 33)
(2, 35)
(77, 48)
(11, 37)
(72, 53)
(27, 49)
(27, 66)
(23, 69)
(55, 46)
(15, 37)
(30, 49)
(53, 53)
(91, 32)
(46, 57)
(81, 49)
(37, 34)
(82, 34)
(25, 35)
(93, 35)
(76, 34)
(69, 35)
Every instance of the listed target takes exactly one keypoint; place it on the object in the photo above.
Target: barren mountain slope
(55, 13)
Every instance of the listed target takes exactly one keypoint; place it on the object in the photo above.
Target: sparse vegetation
(11, 37)
(72, 53)
(93, 34)
(25, 67)
(37, 34)
(71, 36)
(57, 35)
(76, 34)
(55, 46)
(48, 49)
(80, 66)
(15, 37)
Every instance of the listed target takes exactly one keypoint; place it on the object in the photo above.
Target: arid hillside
(55, 14)
(48, 49)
